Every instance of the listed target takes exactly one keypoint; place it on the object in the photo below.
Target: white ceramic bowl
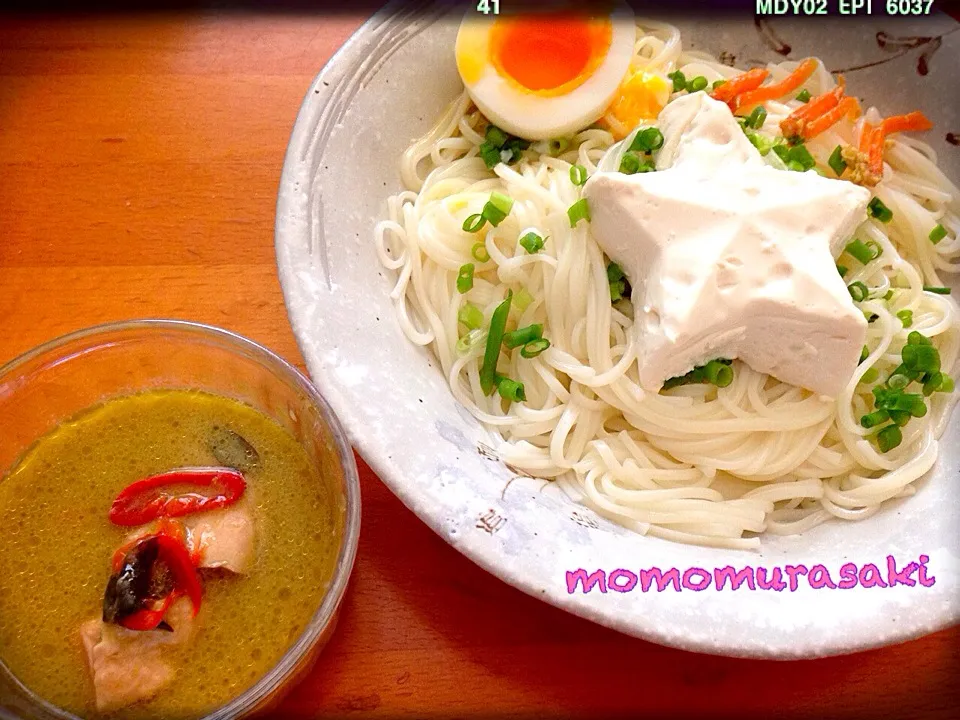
(386, 87)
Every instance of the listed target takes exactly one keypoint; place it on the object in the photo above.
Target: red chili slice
(148, 499)
(148, 618)
(185, 578)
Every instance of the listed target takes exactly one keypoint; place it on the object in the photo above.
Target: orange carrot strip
(911, 121)
(871, 144)
(849, 107)
(747, 100)
(916, 121)
(793, 124)
(750, 80)
(865, 132)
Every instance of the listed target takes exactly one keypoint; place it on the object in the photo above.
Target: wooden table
(140, 161)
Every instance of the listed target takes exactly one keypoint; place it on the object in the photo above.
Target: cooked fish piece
(222, 538)
(216, 538)
(128, 666)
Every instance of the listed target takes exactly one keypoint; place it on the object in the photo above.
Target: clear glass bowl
(57, 380)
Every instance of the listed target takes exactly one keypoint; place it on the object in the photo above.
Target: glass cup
(59, 379)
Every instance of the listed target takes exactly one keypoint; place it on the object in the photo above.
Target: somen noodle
(697, 463)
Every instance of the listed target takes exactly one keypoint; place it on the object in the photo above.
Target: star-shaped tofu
(732, 258)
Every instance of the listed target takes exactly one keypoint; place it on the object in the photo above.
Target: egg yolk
(641, 96)
(549, 54)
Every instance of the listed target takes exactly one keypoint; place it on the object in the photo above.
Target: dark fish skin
(139, 580)
(232, 450)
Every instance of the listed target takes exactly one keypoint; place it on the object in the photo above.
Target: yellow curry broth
(56, 542)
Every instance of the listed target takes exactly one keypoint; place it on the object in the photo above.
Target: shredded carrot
(794, 123)
(747, 100)
(916, 121)
(872, 142)
(744, 82)
(865, 133)
(871, 145)
(849, 107)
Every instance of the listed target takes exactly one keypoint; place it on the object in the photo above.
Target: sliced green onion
(480, 253)
(580, 210)
(697, 84)
(924, 358)
(490, 154)
(900, 417)
(474, 223)
(498, 323)
(531, 242)
(898, 381)
(756, 119)
(889, 438)
(523, 335)
(799, 154)
(718, 373)
(864, 354)
(558, 146)
(534, 348)
(870, 376)
(938, 233)
(842, 269)
(909, 372)
(875, 418)
(712, 373)
(875, 249)
(618, 289)
(468, 342)
(647, 167)
(511, 389)
(614, 272)
(578, 175)
(647, 140)
(888, 294)
(679, 81)
(861, 251)
(918, 338)
(471, 316)
(906, 317)
(760, 142)
(629, 163)
(718, 83)
(936, 290)
(496, 137)
(878, 210)
(523, 299)
(782, 152)
(795, 166)
(497, 208)
(513, 149)
(858, 291)
(465, 278)
(619, 286)
(932, 384)
(905, 402)
(836, 161)
(946, 385)
(804, 96)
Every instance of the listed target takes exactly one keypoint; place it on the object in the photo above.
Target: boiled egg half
(545, 74)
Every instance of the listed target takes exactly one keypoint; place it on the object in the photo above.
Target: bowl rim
(251, 698)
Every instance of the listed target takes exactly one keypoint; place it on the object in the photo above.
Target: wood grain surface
(140, 160)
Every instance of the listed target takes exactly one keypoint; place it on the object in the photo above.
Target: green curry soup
(57, 542)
